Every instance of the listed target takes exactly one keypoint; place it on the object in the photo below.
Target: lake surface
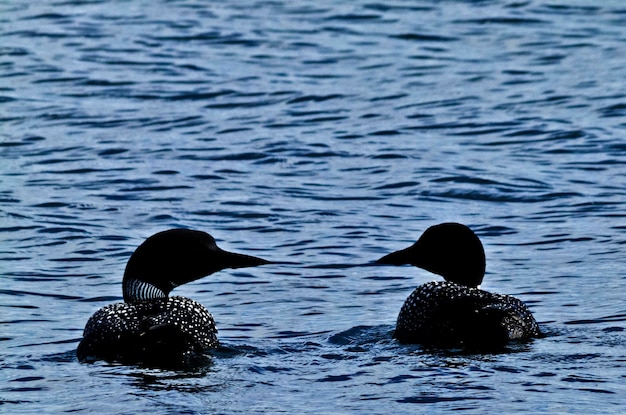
(323, 135)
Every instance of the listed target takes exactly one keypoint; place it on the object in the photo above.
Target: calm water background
(325, 134)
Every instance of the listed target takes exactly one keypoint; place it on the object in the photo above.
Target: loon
(150, 327)
(455, 312)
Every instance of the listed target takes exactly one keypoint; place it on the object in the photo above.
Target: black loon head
(175, 257)
(451, 250)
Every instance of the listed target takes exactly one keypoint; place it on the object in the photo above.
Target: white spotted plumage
(114, 325)
(432, 313)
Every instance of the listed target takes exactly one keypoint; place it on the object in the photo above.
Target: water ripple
(321, 135)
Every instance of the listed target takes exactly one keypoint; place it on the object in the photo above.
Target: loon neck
(135, 290)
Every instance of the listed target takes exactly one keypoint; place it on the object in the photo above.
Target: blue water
(324, 134)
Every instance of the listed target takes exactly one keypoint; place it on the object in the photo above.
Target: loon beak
(233, 260)
(396, 258)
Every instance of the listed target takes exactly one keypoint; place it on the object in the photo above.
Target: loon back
(445, 314)
(150, 327)
(161, 332)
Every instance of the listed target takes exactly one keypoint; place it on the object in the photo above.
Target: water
(323, 134)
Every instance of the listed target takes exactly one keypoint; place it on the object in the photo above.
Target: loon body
(149, 326)
(455, 312)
